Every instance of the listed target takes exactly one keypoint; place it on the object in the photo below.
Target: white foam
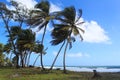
(85, 69)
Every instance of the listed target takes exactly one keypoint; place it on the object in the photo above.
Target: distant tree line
(22, 41)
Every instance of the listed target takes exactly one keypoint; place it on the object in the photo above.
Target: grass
(36, 74)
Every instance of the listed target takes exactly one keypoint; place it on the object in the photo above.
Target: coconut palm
(24, 40)
(40, 18)
(24, 43)
(6, 16)
(38, 48)
(68, 26)
(8, 50)
(58, 36)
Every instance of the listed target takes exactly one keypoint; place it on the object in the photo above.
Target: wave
(90, 68)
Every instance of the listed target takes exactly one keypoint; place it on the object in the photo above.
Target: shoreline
(88, 69)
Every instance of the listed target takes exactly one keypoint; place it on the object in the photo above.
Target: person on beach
(96, 74)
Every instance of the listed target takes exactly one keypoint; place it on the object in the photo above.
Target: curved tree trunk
(57, 55)
(28, 61)
(64, 64)
(36, 60)
(41, 56)
(6, 22)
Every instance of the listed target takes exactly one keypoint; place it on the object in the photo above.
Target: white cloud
(73, 55)
(77, 55)
(54, 8)
(94, 33)
(28, 3)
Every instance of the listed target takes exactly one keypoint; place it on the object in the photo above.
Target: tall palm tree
(6, 16)
(68, 26)
(40, 18)
(58, 36)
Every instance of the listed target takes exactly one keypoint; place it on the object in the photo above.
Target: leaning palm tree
(6, 15)
(24, 40)
(68, 26)
(24, 43)
(58, 36)
(40, 18)
(8, 50)
(38, 48)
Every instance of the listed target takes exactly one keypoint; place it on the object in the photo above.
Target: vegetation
(22, 40)
(35, 74)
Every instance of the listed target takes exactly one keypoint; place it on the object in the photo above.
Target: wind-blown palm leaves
(6, 16)
(24, 40)
(40, 18)
(24, 43)
(67, 27)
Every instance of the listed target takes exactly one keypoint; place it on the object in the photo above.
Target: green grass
(36, 74)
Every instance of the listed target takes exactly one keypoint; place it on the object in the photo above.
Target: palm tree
(68, 26)
(8, 50)
(38, 48)
(24, 40)
(58, 36)
(6, 16)
(40, 18)
(24, 43)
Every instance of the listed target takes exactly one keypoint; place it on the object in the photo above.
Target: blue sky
(101, 39)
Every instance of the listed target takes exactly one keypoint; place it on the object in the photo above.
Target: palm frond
(44, 6)
(56, 41)
(75, 31)
(81, 30)
(79, 15)
(61, 26)
(69, 13)
(58, 36)
(42, 25)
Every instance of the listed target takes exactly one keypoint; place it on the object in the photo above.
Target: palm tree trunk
(11, 56)
(57, 55)
(17, 62)
(64, 64)
(41, 58)
(36, 60)
(11, 39)
(28, 61)
(25, 59)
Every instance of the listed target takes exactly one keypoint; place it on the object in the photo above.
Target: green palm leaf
(44, 6)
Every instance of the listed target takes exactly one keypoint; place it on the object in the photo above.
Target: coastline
(36, 74)
(89, 68)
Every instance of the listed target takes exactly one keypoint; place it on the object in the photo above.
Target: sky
(101, 38)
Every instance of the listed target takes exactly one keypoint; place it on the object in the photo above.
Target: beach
(90, 68)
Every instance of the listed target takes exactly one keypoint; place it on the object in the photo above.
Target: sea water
(90, 68)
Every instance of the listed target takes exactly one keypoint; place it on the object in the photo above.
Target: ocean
(90, 68)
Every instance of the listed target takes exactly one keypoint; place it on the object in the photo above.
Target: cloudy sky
(101, 38)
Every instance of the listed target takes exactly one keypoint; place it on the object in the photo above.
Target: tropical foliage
(22, 40)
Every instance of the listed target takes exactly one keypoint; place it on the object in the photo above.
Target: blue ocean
(91, 68)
